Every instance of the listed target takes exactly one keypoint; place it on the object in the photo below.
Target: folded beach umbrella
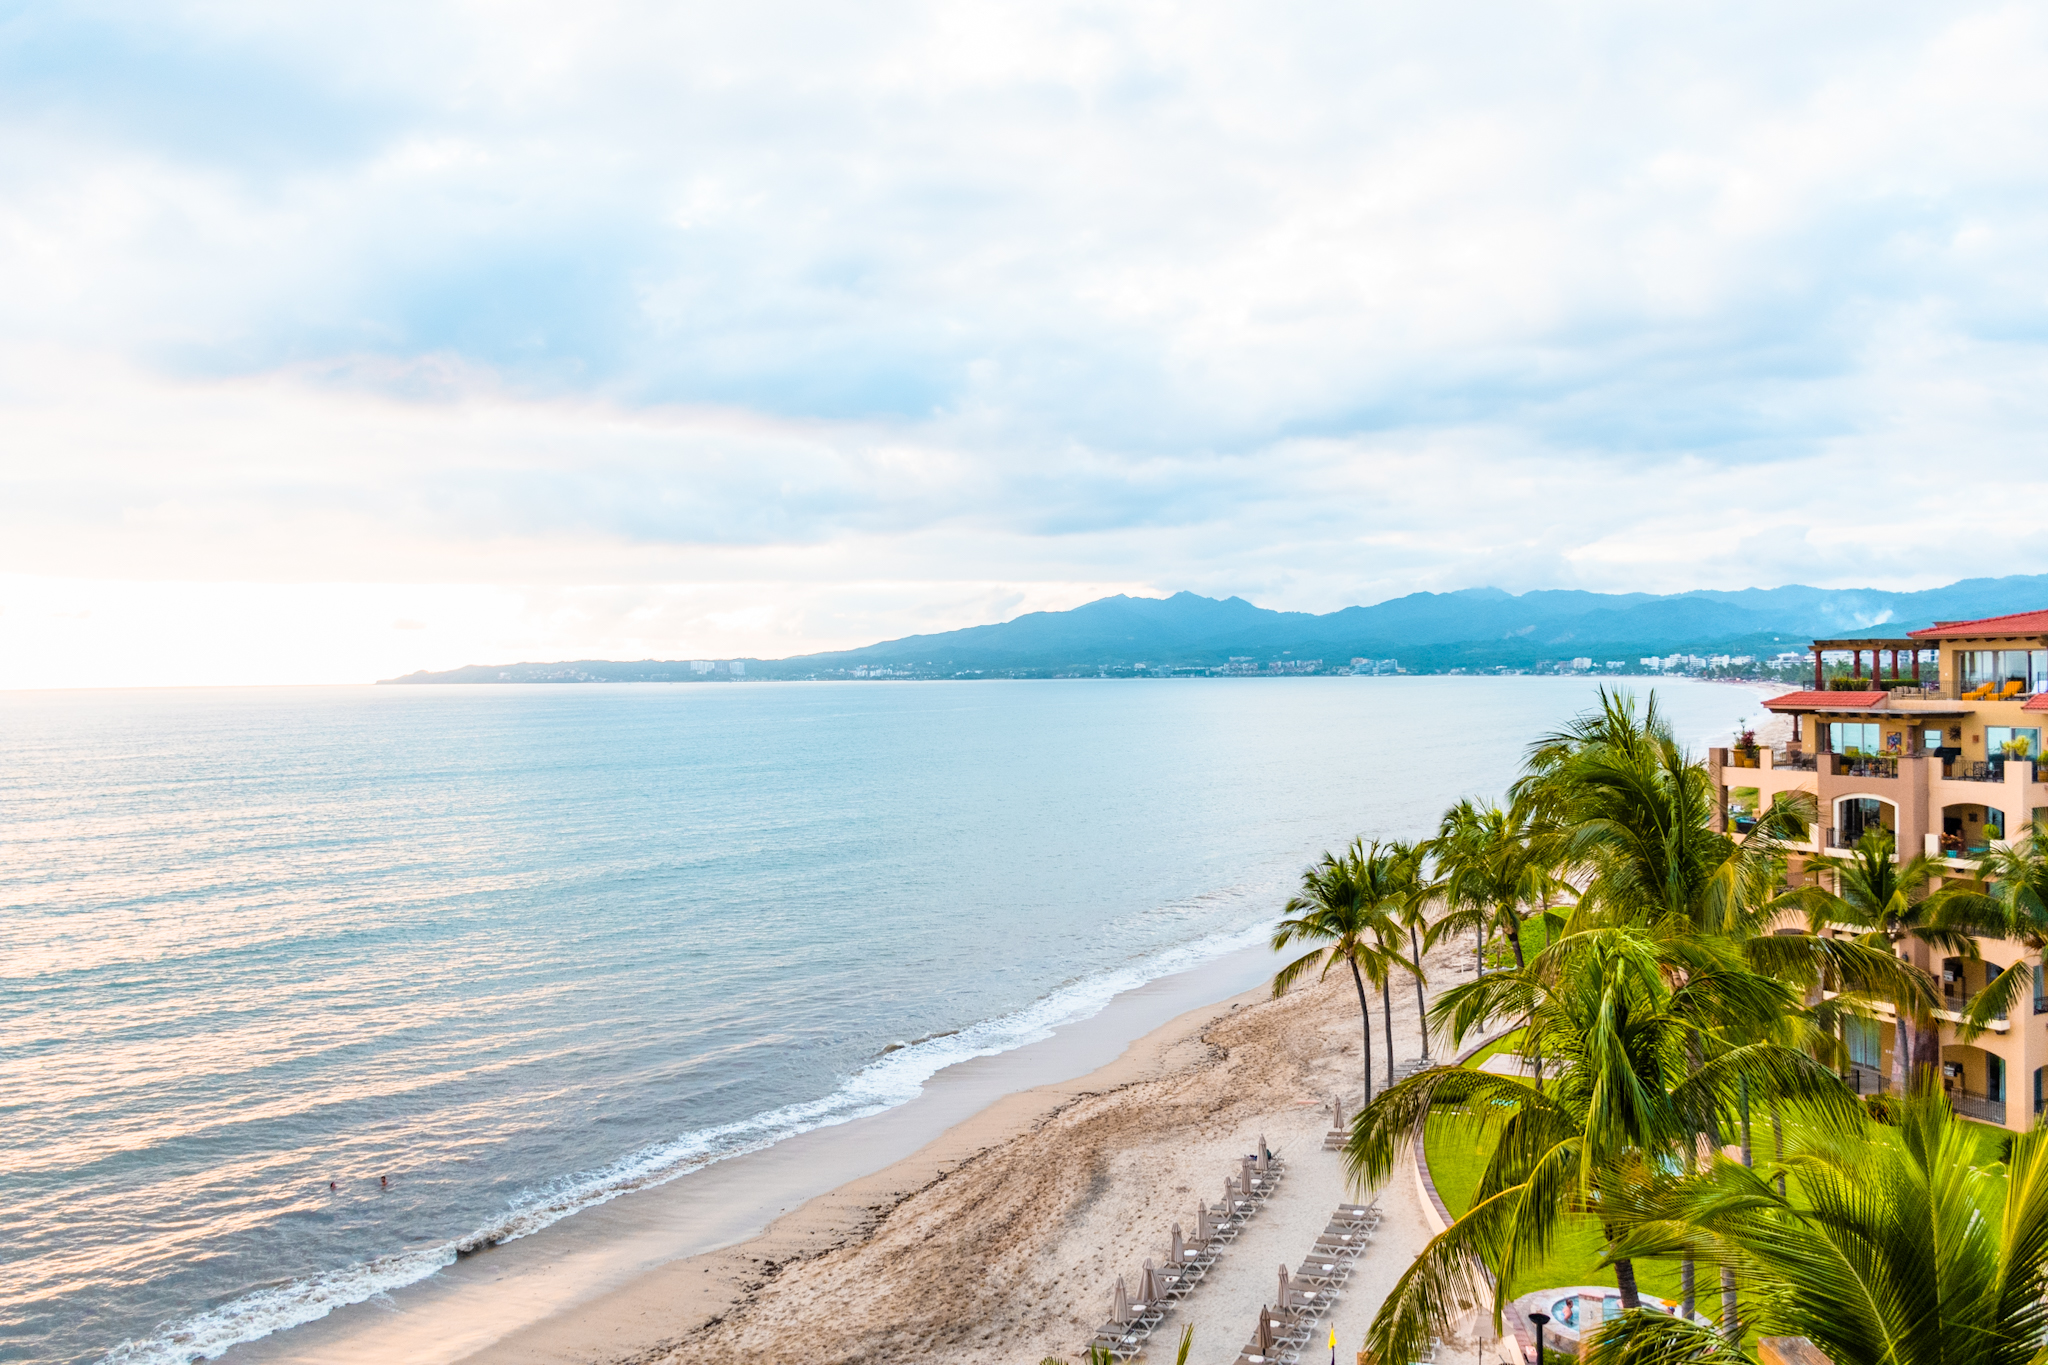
(1265, 1333)
(1148, 1283)
(1247, 1175)
(1120, 1304)
(1265, 1154)
(1337, 1108)
(1203, 1232)
(1180, 1251)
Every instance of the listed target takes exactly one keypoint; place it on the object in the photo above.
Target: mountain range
(1427, 632)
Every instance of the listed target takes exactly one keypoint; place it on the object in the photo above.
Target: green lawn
(1458, 1152)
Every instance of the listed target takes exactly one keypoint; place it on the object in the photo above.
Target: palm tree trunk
(1731, 1318)
(1515, 936)
(1778, 1145)
(1748, 1157)
(1902, 1056)
(1625, 1276)
(1387, 1006)
(1685, 1288)
(1365, 1013)
(1421, 1009)
(1479, 952)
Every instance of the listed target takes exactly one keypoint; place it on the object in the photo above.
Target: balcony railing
(1867, 767)
(1972, 1105)
(1976, 770)
(1803, 763)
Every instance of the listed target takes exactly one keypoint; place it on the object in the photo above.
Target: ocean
(306, 988)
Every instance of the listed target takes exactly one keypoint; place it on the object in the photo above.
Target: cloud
(1012, 304)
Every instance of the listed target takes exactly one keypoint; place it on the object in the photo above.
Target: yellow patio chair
(2012, 689)
(1977, 693)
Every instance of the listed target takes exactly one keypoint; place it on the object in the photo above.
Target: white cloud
(789, 326)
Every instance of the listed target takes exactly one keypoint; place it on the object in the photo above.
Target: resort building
(1937, 743)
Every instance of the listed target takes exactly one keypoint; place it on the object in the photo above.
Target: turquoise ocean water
(521, 949)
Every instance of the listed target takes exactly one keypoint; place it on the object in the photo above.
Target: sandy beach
(1001, 1241)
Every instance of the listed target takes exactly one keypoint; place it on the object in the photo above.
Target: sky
(340, 341)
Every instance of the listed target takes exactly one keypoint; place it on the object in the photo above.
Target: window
(1743, 803)
(1930, 740)
(1994, 1076)
(1859, 815)
(1866, 1043)
(2007, 741)
(2028, 667)
(1852, 738)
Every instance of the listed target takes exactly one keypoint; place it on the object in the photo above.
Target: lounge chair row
(1288, 1326)
(1133, 1320)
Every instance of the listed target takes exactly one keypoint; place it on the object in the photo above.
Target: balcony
(1974, 1106)
(1798, 763)
(1875, 766)
(1976, 770)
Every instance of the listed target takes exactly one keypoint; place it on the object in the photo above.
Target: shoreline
(1000, 1241)
(812, 1190)
(658, 1310)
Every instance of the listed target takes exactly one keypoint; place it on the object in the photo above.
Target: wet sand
(1000, 1241)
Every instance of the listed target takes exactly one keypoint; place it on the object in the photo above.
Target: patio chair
(2012, 689)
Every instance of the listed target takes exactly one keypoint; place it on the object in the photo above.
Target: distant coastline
(1755, 635)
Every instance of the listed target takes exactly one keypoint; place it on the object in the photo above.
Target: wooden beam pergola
(1876, 647)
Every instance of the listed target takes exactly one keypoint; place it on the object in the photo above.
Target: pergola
(1876, 648)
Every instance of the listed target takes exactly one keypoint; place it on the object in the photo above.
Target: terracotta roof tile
(1794, 701)
(2018, 623)
(2037, 702)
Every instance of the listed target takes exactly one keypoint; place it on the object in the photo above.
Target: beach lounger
(1121, 1345)
(1324, 1272)
(1310, 1304)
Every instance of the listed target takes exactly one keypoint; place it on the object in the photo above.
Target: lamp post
(1541, 1320)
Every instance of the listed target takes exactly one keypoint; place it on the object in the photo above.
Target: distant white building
(1582, 664)
(737, 669)
(701, 665)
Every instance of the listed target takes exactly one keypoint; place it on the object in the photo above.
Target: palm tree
(1637, 819)
(1891, 1253)
(1416, 896)
(1493, 865)
(1387, 931)
(1889, 904)
(2014, 906)
(1627, 1091)
(1349, 906)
